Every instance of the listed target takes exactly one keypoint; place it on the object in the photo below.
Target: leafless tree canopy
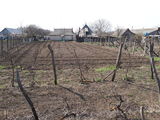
(35, 31)
(101, 27)
(118, 31)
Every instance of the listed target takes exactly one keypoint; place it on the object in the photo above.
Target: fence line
(8, 44)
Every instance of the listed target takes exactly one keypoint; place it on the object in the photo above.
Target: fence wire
(8, 44)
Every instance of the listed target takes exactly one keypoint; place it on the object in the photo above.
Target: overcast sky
(50, 14)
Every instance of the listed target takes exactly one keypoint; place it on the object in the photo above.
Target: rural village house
(155, 33)
(62, 35)
(7, 33)
(125, 33)
(128, 34)
(10, 32)
(143, 31)
(86, 32)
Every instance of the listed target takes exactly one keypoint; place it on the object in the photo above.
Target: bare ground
(93, 100)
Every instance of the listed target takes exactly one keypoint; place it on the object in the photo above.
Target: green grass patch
(105, 69)
(2, 86)
(26, 72)
(41, 71)
(2, 67)
(17, 67)
(158, 67)
(98, 80)
(156, 59)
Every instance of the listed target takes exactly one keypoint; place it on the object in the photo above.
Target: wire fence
(8, 44)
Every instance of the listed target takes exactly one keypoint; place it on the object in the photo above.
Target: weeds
(156, 59)
(98, 80)
(105, 69)
(2, 67)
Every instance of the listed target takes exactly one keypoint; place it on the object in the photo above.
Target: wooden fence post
(151, 46)
(26, 96)
(10, 44)
(7, 45)
(118, 60)
(2, 47)
(142, 113)
(12, 65)
(53, 63)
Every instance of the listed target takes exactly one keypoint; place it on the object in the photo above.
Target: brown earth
(93, 100)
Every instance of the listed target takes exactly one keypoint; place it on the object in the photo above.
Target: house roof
(89, 30)
(62, 32)
(128, 33)
(11, 31)
(143, 31)
(156, 32)
(122, 32)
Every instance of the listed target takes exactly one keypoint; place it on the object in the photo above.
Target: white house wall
(68, 37)
(54, 37)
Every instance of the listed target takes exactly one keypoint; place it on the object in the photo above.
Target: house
(155, 33)
(143, 31)
(86, 32)
(1, 36)
(128, 34)
(62, 35)
(10, 32)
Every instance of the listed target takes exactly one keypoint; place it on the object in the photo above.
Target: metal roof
(62, 32)
(156, 32)
(11, 31)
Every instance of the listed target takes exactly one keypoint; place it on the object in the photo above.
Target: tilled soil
(71, 99)
(68, 54)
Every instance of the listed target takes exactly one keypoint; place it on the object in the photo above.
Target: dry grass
(88, 101)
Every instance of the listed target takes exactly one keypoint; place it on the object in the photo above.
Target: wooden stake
(118, 60)
(26, 96)
(142, 113)
(153, 64)
(53, 64)
(1, 47)
(12, 65)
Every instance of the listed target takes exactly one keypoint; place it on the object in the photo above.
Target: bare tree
(101, 27)
(33, 31)
(118, 31)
